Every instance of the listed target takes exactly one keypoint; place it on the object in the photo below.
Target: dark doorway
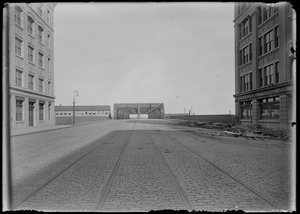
(31, 113)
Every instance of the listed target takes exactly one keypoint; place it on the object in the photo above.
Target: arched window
(40, 34)
(30, 25)
(18, 15)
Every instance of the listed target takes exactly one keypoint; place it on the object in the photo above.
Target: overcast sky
(179, 54)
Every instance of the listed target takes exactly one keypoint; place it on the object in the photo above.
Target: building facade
(31, 64)
(264, 64)
(64, 114)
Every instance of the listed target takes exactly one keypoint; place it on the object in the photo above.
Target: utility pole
(75, 92)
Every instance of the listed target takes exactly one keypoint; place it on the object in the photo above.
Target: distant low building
(64, 114)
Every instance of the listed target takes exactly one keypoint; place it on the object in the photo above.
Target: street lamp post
(75, 92)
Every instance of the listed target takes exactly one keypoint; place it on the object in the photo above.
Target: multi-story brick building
(31, 65)
(264, 63)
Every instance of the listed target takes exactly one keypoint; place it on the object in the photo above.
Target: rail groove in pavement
(223, 171)
(108, 185)
(90, 151)
(178, 187)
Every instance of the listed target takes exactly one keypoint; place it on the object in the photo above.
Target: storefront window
(246, 109)
(269, 108)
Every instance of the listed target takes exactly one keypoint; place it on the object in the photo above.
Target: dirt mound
(231, 129)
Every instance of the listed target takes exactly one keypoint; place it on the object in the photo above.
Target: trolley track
(174, 179)
(90, 151)
(108, 185)
(224, 172)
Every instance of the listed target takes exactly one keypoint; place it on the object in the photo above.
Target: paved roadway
(142, 165)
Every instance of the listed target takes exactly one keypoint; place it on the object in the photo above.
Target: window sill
(20, 56)
(31, 35)
(20, 122)
(32, 63)
(20, 26)
(269, 52)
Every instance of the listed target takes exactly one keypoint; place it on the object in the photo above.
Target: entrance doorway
(31, 113)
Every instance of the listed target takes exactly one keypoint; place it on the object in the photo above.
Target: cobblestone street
(143, 165)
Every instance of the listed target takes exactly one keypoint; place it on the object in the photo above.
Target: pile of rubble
(231, 129)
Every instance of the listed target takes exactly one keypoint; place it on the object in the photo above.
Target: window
(30, 25)
(30, 53)
(49, 41)
(18, 15)
(276, 36)
(19, 110)
(277, 72)
(268, 41)
(18, 47)
(259, 12)
(250, 50)
(30, 81)
(269, 75)
(41, 82)
(48, 64)
(41, 111)
(245, 27)
(267, 12)
(49, 111)
(250, 81)
(40, 34)
(246, 82)
(19, 77)
(246, 54)
(246, 110)
(261, 77)
(40, 10)
(49, 87)
(241, 83)
(269, 108)
(241, 57)
(260, 46)
(48, 16)
(41, 60)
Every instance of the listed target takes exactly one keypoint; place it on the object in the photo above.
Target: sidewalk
(18, 132)
(35, 129)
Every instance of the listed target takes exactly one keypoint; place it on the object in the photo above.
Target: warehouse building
(64, 114)
(264, 64)
(31, 64)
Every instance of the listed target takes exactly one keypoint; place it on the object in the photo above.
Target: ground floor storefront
(271, 107)
(30, 110)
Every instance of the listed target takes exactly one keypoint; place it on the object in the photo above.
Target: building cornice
(30, 92)
(280, 88)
